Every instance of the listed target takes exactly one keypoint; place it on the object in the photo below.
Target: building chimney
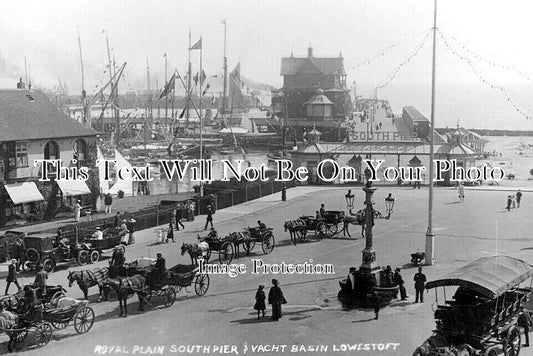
(310, 52)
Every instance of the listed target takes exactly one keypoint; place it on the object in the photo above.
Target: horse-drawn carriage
(57, 311)
(229, 246)
(323, 226)
(482, 316)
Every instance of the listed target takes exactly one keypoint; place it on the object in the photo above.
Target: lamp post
(349, 200)
(369, 254)
(284, 152)
(389, 204)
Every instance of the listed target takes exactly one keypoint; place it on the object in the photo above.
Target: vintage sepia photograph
(266, 177)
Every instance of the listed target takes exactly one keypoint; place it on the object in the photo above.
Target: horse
(8, 321)
(295, 226)
(195, 250)
(90, 278)
(126, 287)
(354, 219)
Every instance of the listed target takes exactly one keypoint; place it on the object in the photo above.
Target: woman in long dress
(260, 301)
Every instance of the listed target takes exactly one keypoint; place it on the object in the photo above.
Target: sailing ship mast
(225, 71)
(83, 92)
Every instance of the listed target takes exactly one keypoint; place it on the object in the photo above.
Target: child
(260, 301)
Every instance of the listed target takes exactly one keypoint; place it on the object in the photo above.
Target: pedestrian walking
(509, 202)
(12, 275)
(77, 211)
(461, 192)
(398, 280)
(108, 200)
(420, 284)
(276, 299)
(375, 304)
(131, 229)
(18, 252)
(170, 233)
(209, 218)
(518, 198)
(179, 216)
(260, 301)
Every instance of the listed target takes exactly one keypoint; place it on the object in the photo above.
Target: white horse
(196, 250)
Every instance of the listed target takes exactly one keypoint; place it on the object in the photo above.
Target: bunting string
(490, 84)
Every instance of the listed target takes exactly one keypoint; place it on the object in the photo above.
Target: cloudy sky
(386, 33)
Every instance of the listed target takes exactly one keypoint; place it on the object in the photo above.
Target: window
(22, 154)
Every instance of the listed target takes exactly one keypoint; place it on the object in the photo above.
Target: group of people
(513, 201)
(275, 299)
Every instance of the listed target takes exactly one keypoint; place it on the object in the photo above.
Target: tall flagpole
(225, 72)
(430, 235)
(166, 95)
(201, 120)
(188, 81)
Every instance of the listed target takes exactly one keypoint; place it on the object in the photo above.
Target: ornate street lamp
(349, 200)
(389, 204)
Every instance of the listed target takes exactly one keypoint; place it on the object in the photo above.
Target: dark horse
(126, 287)
(294, 227)
(90, 278)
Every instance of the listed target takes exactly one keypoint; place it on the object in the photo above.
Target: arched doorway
(51, 150)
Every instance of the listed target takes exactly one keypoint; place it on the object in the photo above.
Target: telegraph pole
(430, 235)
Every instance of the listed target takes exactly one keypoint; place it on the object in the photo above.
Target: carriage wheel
(320, 230)
(511, 344)
(49, 265)
(225, 254)
(27, 266)
(43, 334)
(201, 284)
(170, 297)
(83, 320)
(59, 325)
(94, 256)
(268, 243)
(20, 335)
(330, 230)
(83, 258)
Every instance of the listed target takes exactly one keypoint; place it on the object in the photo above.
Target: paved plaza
(313, 317)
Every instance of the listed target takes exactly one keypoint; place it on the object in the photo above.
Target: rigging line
(500, 88)
(369, 60)
(401, 65)
(488, 61)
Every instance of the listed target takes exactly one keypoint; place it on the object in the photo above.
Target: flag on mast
(197, 45)
(169, 87)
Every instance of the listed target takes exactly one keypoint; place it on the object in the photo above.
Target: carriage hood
(489, 276)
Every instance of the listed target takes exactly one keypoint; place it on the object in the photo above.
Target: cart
(482, 316)
(324, 226)
(181, 276)
(80, 314)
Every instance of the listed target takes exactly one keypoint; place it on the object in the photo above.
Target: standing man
(108, 200)
(322, 210)
(77, 211)
(276, 298)
(115, 222)
(518, 198)
(420, 284)
(375, 304)
(131, 229)
(523, 322)
(398, 280)
(509, 202)
(179, 216)
(40, 279)
(12, 275)
(209, 218)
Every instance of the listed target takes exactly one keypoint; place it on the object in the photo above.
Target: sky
(385, 33)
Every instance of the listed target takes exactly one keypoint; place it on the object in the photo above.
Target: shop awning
(21, 193)
(73, 187)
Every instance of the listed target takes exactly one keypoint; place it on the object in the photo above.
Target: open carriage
(325, 226)
(229, 246)
(58, 314)
(482, 316)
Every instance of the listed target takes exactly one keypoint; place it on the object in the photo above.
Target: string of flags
(389, 48)
(401, 65)
(488, 61)
(492, 85)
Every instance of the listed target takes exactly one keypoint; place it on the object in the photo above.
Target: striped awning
(21, 193)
